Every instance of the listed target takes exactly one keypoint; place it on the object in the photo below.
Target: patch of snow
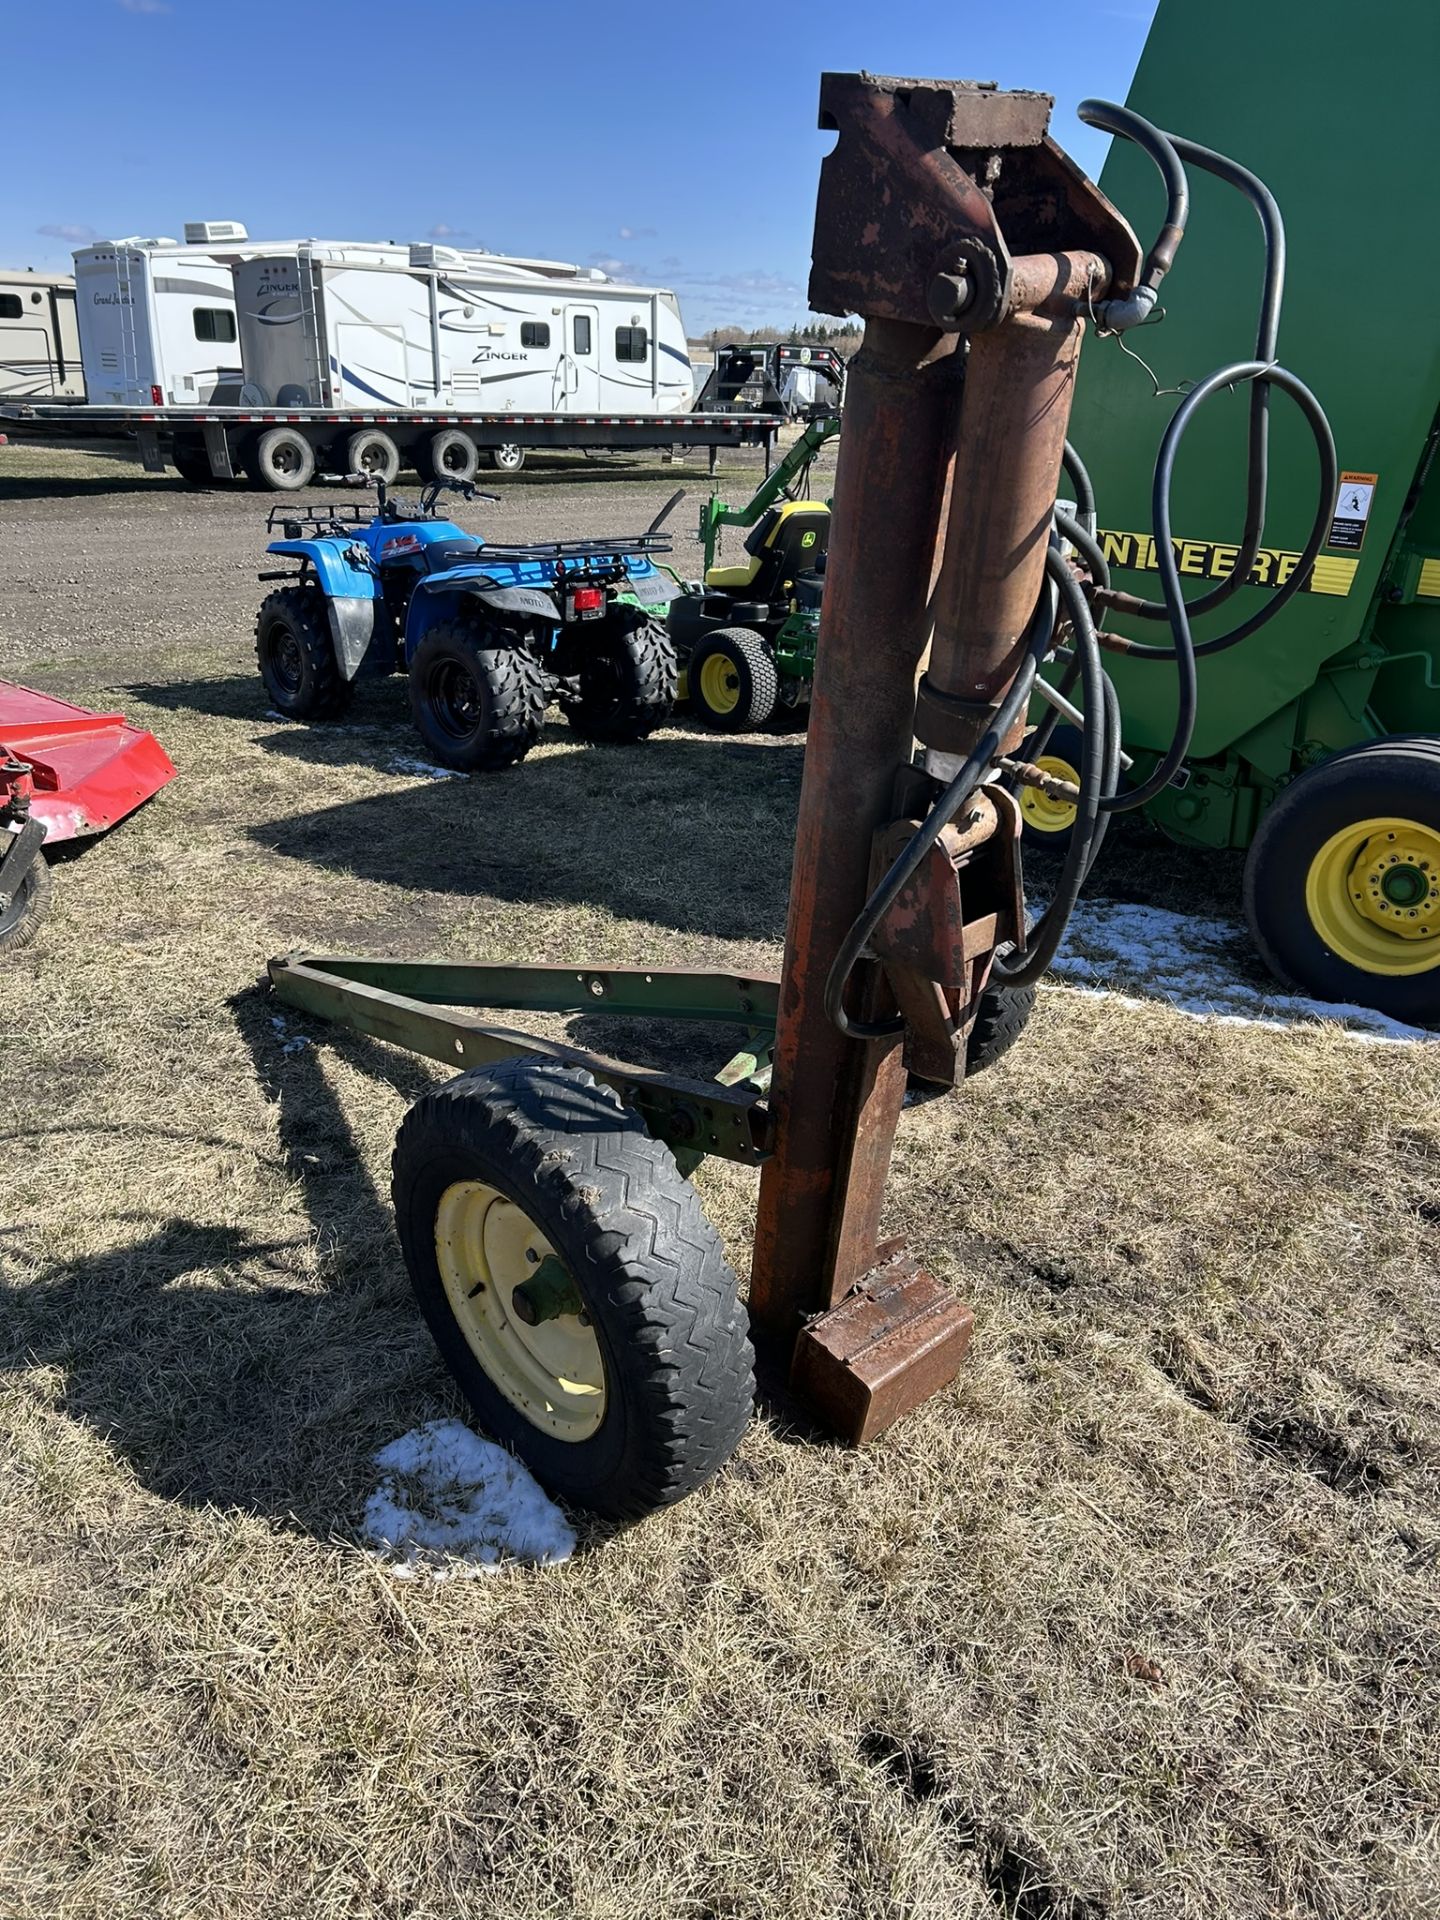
(403, 764)
(1202, 967)
(451, 1504)
(289, 1042)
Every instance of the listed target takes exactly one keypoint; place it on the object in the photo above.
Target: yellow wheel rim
(719, 684)
(1373, 896)
(1041, 814)
(553, 1373)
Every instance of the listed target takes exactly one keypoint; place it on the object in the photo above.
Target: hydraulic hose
(1110, 117)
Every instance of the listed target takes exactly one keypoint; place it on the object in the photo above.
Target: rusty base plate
(891, 1343)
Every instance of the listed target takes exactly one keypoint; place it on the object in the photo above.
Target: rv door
(580, 362)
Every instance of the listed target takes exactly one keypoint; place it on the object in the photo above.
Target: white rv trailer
(397, 328)
(157, 317)
(39, 340)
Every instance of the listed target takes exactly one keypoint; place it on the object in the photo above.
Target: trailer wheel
(1342, 883)
(732, 681)
(1002, 1016)
(628, 675)
(507, 459)
(477, 695)
(20, 920)
(573, 1285)
(447, 455)
(296, 655)
(191, 461)
(284, 460)
(373, 452)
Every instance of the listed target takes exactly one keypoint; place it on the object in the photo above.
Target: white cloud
(441, 232)
(77, 236)
(636, 233)
(144, 6)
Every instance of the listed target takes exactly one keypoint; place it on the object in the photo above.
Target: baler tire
(303, 679)
(660, 1330)
(1297, 869)
(1042, 820)
(502, 718)
(284, 460)
(751, 665)
(20, 920)
(628, 676)
(1002, 1016)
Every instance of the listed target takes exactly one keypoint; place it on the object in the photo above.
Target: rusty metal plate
(888, 1346)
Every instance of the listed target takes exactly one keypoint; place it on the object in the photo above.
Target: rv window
(10, 308)
(632, 343)
(534, 333)
(214, 323)
(582, 333)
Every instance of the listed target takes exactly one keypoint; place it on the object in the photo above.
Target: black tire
(477, 695)
(20, 920)
(1001, 1018)
(1383, 780)
(191, 462)
(1039, 815)
(506, 459)
(628, 676)
(745, 662)
(284, 460)
(447, 455)
(296, 655)
(373, 452)
(646, 1265)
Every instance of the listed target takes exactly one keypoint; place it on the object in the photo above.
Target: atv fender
(352, 596)
(517, 606)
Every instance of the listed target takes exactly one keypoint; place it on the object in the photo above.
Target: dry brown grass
(1198, 1431)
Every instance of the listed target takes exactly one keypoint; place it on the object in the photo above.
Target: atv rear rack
(639, 543)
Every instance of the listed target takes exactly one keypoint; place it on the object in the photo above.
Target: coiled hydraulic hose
(1099, 795)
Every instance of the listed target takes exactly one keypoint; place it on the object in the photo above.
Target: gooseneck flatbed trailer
(282, 449)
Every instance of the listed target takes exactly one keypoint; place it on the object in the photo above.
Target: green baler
(1334, 110)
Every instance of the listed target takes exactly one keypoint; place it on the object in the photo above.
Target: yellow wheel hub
(1041, 814)
(553, 1371)
(719, 684)
(1373, 896)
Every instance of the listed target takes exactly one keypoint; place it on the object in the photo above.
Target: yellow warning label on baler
(1214, 560)
(1429, 582)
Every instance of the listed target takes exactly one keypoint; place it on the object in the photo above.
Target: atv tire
(632, 1386)
(296, 656)
(732, 680)
(20, 920)
(477, 695)
(628, 675)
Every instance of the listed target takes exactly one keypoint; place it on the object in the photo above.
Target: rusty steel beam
(970, 245)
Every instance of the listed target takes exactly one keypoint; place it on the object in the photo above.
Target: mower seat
(786, 540)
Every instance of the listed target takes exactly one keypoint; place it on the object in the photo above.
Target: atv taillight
(157, 396)
(588, 599)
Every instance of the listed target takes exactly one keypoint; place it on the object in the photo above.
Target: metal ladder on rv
(129, 350)
(316, 370)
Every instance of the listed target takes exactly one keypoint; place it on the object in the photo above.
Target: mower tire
(573, 1285)
(628, 676)
(297, 655)
(1342, 881)
(20, 920)
(1001, 1018)
(283, 460)
(732, 680)
(477, 695)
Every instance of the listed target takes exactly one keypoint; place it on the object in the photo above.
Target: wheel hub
(1373, 892)
(719, 684)
(520, 1310)
(1039, 810)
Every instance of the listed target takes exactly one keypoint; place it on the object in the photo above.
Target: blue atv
(487, 635)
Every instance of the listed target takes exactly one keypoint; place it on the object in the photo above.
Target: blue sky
(641, 139)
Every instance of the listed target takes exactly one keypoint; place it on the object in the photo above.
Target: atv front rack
(416, 1004)
(350, 513)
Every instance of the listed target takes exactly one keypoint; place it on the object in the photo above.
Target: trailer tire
(477, 696)
(373, 452)
(639, 1391)
(1346, 857)
(20, 920)
(732, 680)
(506, 459)
(284, 460)
(296, 655)
(1001, 1018)
(447, 455)
(628, 675)
(191, 461)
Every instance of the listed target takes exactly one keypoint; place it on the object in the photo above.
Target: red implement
(87, 770)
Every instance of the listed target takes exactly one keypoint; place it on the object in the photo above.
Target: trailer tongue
(65, 774)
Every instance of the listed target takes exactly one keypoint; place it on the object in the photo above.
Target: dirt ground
(1138, 1618)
